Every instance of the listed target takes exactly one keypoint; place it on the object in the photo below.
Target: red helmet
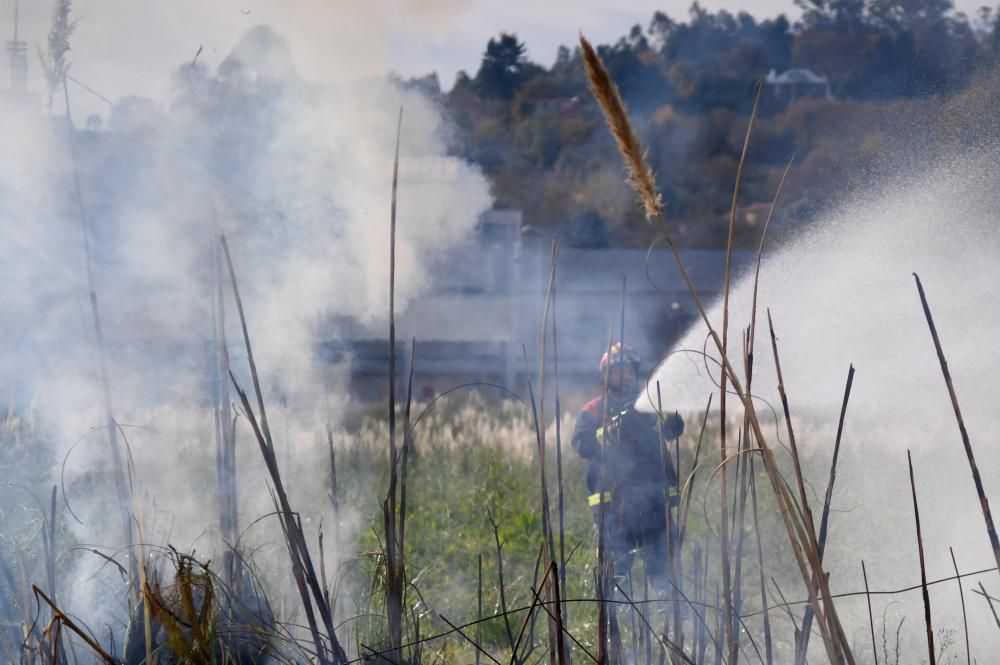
(619, 353)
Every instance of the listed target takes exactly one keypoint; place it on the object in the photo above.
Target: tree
(846, 16)
(660, 28)
(777, 40)
(563, 59)
(54, 63)
(901, 15)
(995, 37)
(504, 67)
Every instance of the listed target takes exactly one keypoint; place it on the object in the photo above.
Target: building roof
(497, 270)
(795, 77)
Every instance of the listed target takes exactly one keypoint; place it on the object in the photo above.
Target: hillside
(895, 84)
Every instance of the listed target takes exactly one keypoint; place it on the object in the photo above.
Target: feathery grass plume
(640, 176)
(55, 65)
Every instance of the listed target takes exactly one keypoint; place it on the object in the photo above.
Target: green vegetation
(473, 459)
(895, 71)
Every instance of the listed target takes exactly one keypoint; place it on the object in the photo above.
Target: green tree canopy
(504, 67)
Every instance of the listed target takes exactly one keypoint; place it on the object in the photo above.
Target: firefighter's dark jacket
(635, 473)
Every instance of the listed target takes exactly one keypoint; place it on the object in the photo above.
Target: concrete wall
(483, 314)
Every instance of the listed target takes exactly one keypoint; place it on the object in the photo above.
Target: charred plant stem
(732, 634)
(302, 567)
(961, 596)
(394, 577)
(871, 619)
(983, 501)
(768, 647)
(107, 658)
(923, 570)
(989, 601)
(559, 466)
(807, 618)
(117, 468)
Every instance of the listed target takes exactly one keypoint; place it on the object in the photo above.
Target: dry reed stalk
(324, 582)
(825, 518)
(528, 618)
(48, 537)
(646, 634)
(479, 604)
(225, 440)
(701, 591)
(69, 623)
(961, 596)
(562, 658)
(615, 650)
(303, 571)
(117, 468)
(760, 256)
(751, 336)
(817, 585)
(871, 619)
(739, 523)
(923, 570)
(743, 487)
(695, 603)
(676, 650)
(407, 445)
(673, 532)
(768, 646)
(634, 629)
(799, 479)
(989, 601)
(983, 501)
(559, 467)
(140, 556)
(548, 547)
(724, 533)
(728, 591)
(720, 620)
(502, 592)
(334, 492)
(803, 542)
(554, 632)
(479, 648)
(687, 491)
(785, 605)
(394, 576)
(604, 572)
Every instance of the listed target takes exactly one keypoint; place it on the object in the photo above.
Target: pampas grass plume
(640, 176)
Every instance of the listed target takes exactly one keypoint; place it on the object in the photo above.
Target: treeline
(873, 83)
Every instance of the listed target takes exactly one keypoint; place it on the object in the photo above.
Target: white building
(483, 313)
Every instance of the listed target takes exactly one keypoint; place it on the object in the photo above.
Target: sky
(124, 47)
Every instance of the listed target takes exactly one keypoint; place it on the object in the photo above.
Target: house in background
(794, 84)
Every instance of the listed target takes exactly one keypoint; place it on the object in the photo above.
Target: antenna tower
(18, 52)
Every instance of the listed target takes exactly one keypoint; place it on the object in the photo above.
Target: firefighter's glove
(672, 426)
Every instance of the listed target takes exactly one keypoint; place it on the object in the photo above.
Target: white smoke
(843, 293)
(298, 176)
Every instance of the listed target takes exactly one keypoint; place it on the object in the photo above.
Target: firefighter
(626, 471)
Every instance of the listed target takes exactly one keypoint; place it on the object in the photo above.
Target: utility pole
(18, 52)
